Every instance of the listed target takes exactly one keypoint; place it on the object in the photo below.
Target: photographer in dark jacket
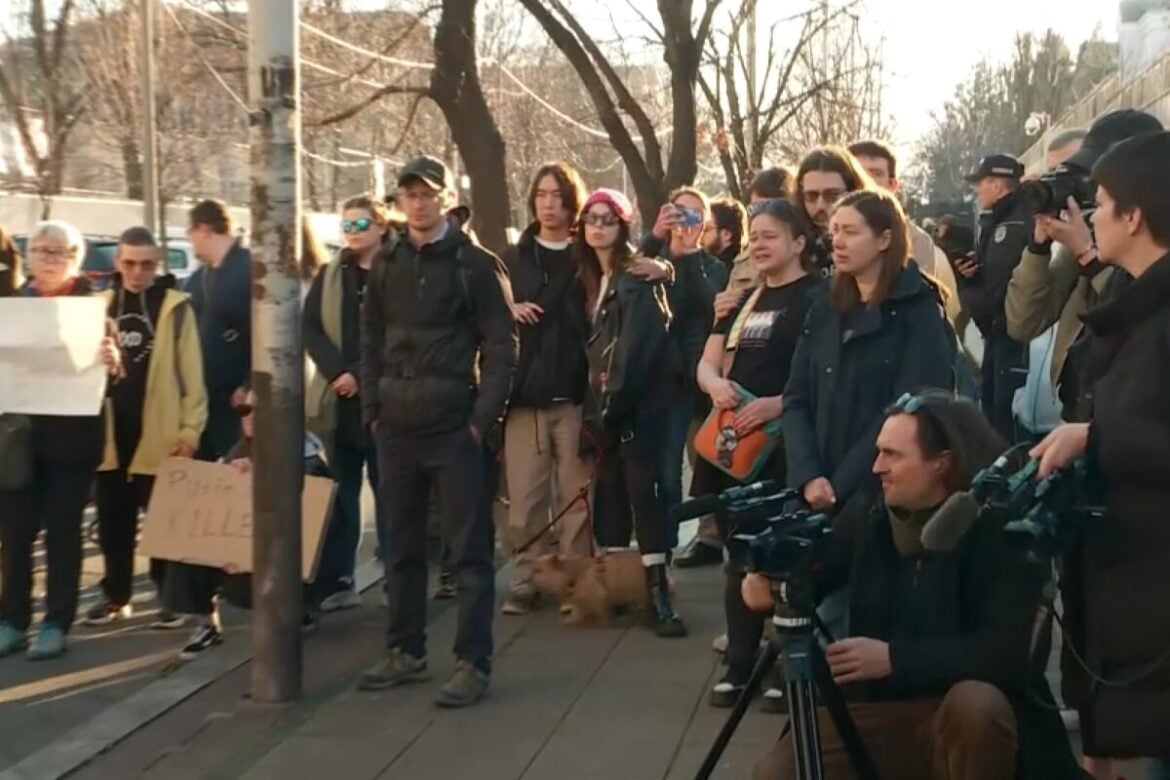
(1112, 580)
(1005, 230)
(939, 668)
(542, 435)
(439, 350)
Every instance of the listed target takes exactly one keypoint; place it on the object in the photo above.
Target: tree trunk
(132, 169)
(456, 89)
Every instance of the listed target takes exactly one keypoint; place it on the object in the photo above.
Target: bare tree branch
(373, 97)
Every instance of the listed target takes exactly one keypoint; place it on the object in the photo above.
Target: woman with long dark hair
(881, 332)
(629, 320)
(748, 355)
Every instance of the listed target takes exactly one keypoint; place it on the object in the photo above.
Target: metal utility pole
(277, 354)
(150, 205)
(753, 96)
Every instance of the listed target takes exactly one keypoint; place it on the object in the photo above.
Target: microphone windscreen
(952, 520)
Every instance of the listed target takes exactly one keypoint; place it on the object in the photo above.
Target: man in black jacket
(439, 348)
(546, 472)
(939, 668)
(1005, 229)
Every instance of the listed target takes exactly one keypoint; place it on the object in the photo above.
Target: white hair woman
(65, 453)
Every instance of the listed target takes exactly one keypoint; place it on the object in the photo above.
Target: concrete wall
(1150, 91)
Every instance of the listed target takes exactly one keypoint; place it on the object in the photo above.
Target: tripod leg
(835, 703)
(806, 734)
(764, 663)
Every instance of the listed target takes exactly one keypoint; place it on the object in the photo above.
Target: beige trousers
(545, 472)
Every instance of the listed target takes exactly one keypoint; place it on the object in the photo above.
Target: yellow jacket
(175, 410)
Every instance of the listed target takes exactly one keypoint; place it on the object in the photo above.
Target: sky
(932, 46)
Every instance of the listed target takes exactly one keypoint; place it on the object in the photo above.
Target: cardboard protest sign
(201, 513)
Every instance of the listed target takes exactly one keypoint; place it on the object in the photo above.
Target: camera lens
(1037, 196)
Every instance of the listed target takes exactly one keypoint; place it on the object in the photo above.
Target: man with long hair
(824, 176)
(545, 470)
(937, 665)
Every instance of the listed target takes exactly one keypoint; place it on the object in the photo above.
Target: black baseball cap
(1110, 129)
(429, 171)
(997, 165)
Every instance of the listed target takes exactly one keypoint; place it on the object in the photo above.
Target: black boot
(666, 622)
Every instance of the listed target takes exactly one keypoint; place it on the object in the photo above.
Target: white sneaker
(342, 599)
(720, 643)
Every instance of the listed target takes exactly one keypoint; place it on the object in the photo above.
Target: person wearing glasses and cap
(1005, 227)
(439, 351)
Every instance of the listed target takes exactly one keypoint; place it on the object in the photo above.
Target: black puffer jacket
(552, 352)
(1114, 590)
(439, 340)
(948, 617)
(847, 370)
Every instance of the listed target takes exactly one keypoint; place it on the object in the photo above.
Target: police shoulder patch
(1000, 233)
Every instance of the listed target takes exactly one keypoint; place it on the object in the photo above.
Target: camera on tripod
(1050, 193)
(783, 547)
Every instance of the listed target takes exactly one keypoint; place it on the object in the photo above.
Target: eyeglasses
(828, 196)
(48, 255)
(600, 220)
(928, 420)
(360, 225)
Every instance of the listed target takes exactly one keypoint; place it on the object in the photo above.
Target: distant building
(1143, 35)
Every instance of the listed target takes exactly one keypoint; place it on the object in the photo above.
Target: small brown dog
(589, 589)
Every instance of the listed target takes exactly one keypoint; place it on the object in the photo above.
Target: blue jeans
(339, 554)
(677, 417)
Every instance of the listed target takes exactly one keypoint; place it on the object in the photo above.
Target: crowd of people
(810, 336)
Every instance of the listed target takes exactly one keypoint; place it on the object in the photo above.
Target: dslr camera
(1050, 193)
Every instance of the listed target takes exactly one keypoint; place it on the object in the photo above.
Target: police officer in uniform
(1005, 228)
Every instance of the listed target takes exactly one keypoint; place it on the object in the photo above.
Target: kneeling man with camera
(943, 671)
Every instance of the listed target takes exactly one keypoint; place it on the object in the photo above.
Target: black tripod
(805, 667)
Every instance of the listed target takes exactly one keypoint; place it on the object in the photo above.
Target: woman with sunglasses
(748, 356)
(64, 453)
(332, 334)
(624, 410)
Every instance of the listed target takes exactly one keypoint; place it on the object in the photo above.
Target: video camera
(1050, 193)
(769, 535)
(1046, 515)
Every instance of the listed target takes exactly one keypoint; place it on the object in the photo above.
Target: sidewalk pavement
(566, 703)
